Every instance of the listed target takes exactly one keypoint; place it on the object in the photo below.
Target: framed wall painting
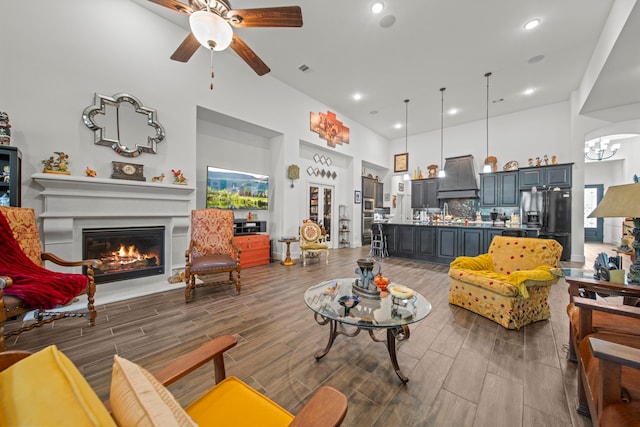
(401, 162)
(401, 187)
(357, 197)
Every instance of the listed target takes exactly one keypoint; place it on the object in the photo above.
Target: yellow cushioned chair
(312, 241)
(509, 284)
(138, 398)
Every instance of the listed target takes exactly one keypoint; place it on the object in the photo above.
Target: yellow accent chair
(24, 261)
(211, 250)
(509, 284)
(312, 242)
(139, 398)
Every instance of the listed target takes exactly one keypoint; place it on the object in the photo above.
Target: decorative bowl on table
(400, 295)
(348, 302)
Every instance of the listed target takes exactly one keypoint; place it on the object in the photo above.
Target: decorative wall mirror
(117, 123)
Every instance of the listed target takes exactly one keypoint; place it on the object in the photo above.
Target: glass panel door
(320, 208)
(593, 227)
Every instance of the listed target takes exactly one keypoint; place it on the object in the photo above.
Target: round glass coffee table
(371, 314)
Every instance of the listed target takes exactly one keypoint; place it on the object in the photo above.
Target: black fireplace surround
(126, 253)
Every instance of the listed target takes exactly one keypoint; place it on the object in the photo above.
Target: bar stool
(378, 242)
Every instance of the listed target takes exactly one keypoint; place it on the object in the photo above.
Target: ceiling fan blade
(187, 48)
(288, 16)
(174, 5)
(249, 56)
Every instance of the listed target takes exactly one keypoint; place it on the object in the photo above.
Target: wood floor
(463, 370)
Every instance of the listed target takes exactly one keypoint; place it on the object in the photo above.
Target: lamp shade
(207, 26)
(618, 202)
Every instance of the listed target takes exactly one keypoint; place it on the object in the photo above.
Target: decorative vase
(365, 285)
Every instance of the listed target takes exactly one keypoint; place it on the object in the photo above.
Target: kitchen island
(441, 242)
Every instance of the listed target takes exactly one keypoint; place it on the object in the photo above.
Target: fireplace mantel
(73, 203)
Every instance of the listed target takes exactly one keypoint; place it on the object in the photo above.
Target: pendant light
(487, 166)
(406, 175)
(441, 173)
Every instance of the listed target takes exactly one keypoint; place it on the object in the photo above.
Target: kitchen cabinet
(379, 199)
(405, 243)
(500, 189)
(368, 188)
(546, 176)
(11, 167)
(425, 242)
(470, 241)
(447, 243)
(424, 193)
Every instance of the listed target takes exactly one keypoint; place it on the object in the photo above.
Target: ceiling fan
(211, 21)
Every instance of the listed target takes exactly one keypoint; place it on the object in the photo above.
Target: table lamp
(622, 201)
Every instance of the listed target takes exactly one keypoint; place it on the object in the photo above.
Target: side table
(288, 241)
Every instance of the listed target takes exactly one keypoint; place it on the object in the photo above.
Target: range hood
(460, 180)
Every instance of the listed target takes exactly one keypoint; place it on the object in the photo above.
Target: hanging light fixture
(598, 149)
(441, 173)
(488, 167)
(406, 175)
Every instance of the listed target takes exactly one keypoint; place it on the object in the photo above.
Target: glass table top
(383, 312)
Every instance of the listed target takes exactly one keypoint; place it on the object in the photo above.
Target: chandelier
(599, 149)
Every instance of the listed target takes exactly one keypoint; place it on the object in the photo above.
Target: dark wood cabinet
(405, 243)
(500, 189)
(470, 241)
(424, 193)
(447, 242)
(546, 176)
(11, 167)
(368, 188)
(425, 242)
(379, 199)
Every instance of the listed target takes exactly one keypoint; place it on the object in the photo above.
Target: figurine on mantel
(178, 177)
(59, 165)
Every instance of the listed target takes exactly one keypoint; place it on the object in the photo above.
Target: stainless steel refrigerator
(550, 211)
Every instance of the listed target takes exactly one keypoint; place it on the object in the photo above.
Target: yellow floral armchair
(509, 284)
(312, 241)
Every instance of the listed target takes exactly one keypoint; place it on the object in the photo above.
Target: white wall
(58, 54)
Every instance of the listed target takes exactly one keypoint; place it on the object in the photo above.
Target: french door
(320, 204)
(592, 226)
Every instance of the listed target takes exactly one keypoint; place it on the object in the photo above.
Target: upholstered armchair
(137, 397)
(211, 251)
(312, 242)
(25, 284)
(509, 284)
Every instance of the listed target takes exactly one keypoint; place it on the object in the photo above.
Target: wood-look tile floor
(463, 369)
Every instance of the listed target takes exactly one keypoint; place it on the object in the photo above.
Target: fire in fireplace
(126, 253)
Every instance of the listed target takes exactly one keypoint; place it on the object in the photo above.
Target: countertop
(471, 224)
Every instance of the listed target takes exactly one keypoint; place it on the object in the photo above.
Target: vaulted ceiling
(415, 47)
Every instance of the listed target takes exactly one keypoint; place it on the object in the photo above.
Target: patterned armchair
(25, 285)
(312, 241)
(509, 284)
(211, 250)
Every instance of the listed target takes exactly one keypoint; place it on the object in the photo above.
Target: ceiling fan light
(207, 26)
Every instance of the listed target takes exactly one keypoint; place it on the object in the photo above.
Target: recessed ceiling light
(357, 96)
(397, 126)
(453, 111)
(377, 7)
(532, 24)
(529, 91)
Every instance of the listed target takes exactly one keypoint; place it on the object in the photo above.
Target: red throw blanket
(36, 286)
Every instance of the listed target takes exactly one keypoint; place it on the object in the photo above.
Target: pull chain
(211, 85)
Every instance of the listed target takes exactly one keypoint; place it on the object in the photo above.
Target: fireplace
(125, 252)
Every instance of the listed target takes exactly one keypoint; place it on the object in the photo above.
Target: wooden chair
(312, 242)
(20, 234)
(602, 337)
(211, 250)
(608, 365)
(138, 396)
